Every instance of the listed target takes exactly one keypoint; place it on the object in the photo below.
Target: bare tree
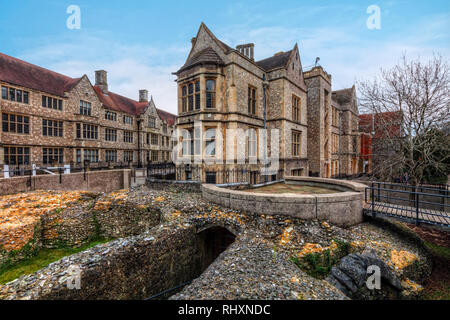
(409, 102)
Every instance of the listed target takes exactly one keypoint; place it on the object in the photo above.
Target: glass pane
(210, 134)
(19, 95)
(25, 97)
(210, 85)
(4, 93)
(12, 94)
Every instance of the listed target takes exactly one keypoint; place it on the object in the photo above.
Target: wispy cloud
(347, 49)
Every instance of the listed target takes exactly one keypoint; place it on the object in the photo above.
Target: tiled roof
(123, 104)
(168, 117)
(120, 103)
(277, 61)
(207, 55)
(21, 73)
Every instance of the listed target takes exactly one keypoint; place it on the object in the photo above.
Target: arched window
(210, 93)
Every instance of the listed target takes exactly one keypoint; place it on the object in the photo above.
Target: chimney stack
(101, 80)
(247, 50)
(143, 95)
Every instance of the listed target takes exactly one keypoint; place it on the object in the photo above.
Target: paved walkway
(426, 216)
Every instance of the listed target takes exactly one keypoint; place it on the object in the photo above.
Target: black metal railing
(166, 171)
(226, 176)
(417, 204)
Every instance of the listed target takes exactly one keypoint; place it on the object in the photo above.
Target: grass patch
(318, 265)
(42, 259)
(441, 252)
(441, 293)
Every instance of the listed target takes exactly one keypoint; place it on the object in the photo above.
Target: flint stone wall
(131, 268)
(159, 184)
(342, 209)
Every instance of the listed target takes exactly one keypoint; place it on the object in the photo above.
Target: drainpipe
(265, 85)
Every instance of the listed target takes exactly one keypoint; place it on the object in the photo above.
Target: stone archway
(215, 240)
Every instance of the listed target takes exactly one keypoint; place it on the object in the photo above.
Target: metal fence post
(417, 208)
(373, 200)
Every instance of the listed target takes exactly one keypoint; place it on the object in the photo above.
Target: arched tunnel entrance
(209, 243)
(215, 240)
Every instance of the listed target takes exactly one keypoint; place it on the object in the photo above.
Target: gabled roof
(21, 73)
(116, 102)
(277, 61)
(206, 56)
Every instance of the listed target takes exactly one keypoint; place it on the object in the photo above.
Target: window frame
(52, 126)
(252, 100)
(85, 108)
(296, 143)
(212, 94)
(296, 109)
(24, 156)
(13, 123)
(49, 157)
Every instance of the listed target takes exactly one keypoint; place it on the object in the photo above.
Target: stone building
(333, 135)
(222, 88)
(49, 118)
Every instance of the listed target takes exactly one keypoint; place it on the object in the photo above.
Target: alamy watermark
(374, 20)
(73, 22)
(251, 146)
(374, 279)
(74, 278)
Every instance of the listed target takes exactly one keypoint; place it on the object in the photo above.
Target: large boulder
(351, 274)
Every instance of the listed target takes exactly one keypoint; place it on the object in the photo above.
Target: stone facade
(85, 122)
(246, 93)
(333, 134)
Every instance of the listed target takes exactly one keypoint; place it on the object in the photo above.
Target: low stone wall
(342, 209)
(96, 181)
(130, 268)
(159, 184)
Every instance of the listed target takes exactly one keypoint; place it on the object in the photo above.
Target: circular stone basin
(281, 187)
(307, 198)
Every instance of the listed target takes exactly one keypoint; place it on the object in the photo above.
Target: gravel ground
(258, 266)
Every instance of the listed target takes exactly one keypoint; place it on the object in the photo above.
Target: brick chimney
(247, 50)
(143, 95)
(101, 80)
